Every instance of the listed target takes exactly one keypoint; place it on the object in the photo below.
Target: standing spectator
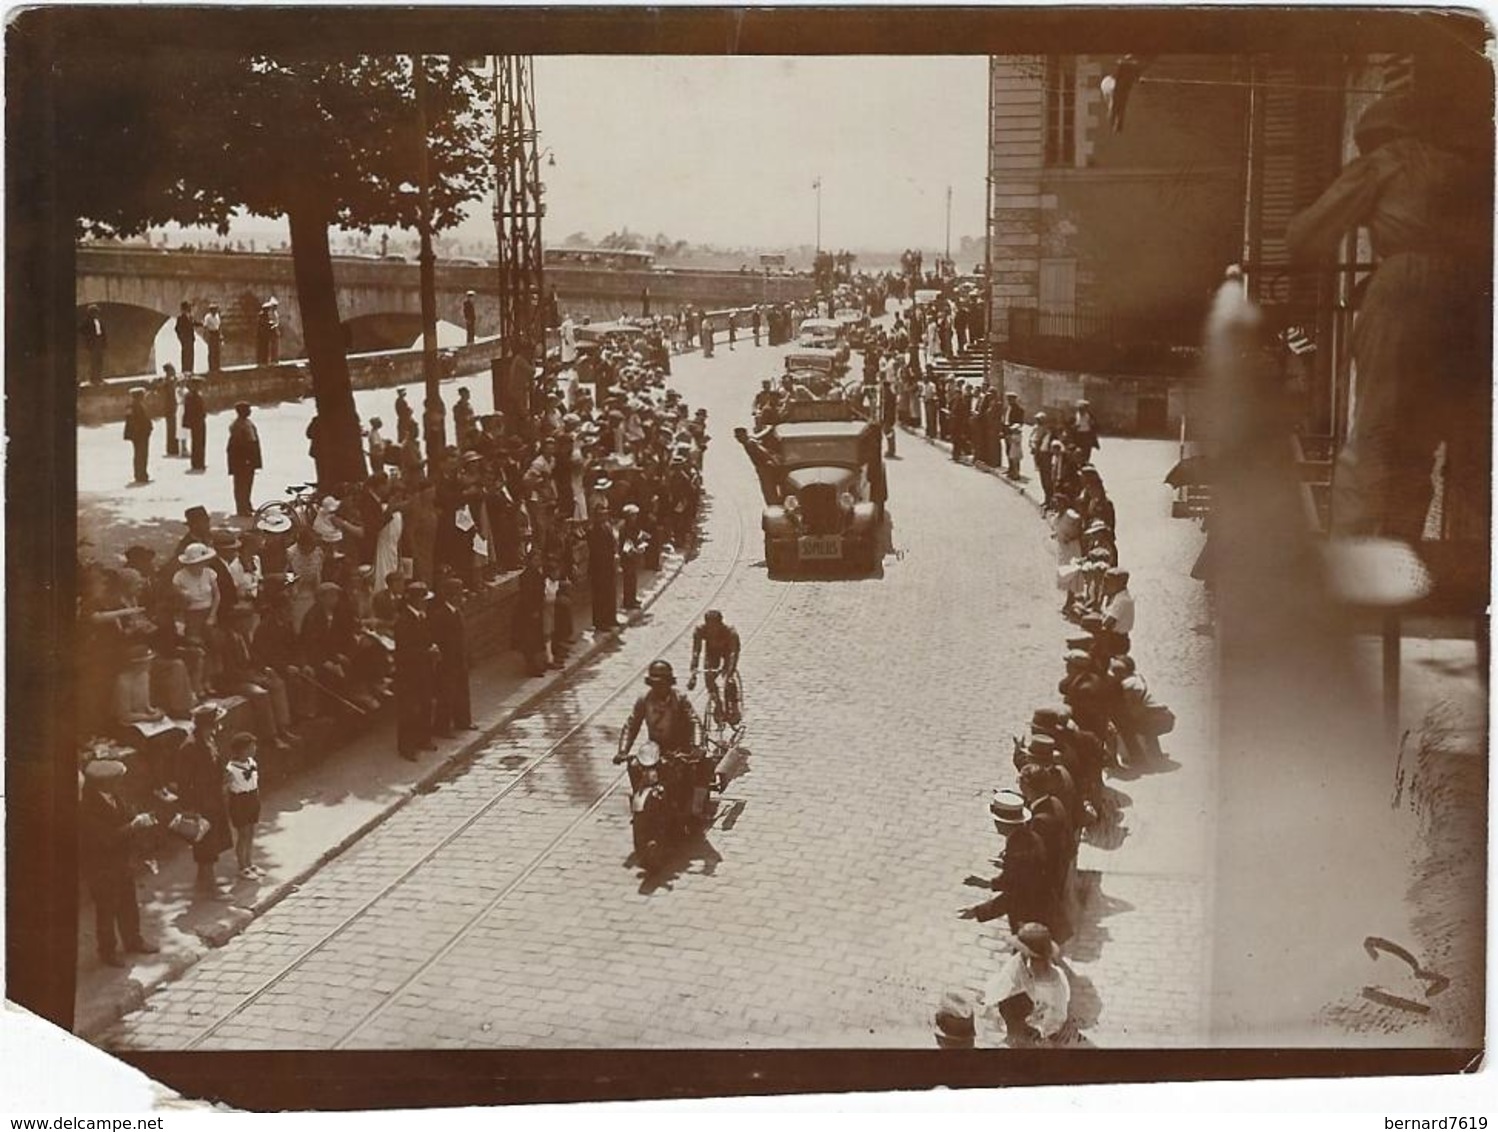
(91, 332)
(888, 413)
(1040, 454)
(470, 317)
(631, 540)
(603, 568)
(213, 334)
(414, 649)
(1014, 447)
(959, 419)
(200, 786)
(463, 417)
(187, 338)
(138, 432)
(528, 630)
(107, 825)
(195, 421)
(376, 444)
(451, 705)
(405, 419)
(273, 331)
(1082, 432)
(756, 324)
(243, 452)
(732, 329)
(166, 402)
(242, 782)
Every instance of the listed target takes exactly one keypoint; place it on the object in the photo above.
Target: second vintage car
(827, 514)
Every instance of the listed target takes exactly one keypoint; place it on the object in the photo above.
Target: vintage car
(826, 516)
(823, 334)
(816, 359)
(621, 335)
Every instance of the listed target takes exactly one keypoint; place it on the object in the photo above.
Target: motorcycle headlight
(846, 500)
(649, 755)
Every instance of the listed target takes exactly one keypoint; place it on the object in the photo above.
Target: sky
(725, 150)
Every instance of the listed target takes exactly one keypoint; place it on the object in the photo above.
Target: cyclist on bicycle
(720, 641)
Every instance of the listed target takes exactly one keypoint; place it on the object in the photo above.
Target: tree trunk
(340, 454)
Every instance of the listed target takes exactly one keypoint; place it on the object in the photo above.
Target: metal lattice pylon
(518, 206)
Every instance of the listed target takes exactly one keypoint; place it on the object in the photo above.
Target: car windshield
(802, 451)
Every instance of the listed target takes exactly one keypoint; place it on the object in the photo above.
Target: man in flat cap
(243, 451)
(107, 826)
(138, 426)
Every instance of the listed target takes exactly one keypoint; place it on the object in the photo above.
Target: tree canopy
(155, 137)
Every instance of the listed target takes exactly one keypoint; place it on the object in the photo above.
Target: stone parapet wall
(290, 381)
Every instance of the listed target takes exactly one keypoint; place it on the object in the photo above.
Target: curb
(240, 917)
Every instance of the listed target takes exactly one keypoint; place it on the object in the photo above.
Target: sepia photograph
(703, 551)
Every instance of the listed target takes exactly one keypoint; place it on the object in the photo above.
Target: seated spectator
(264, 690)
(328, 640)
(198, 597)
(305, 563)
(1031, 992)
(277, 647)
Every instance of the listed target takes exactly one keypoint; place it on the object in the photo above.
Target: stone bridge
(138, 290)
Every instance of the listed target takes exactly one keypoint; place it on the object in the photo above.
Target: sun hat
(274, 523)
(328, 505)
(954, 1022)
(195, 554)
(1035, 940)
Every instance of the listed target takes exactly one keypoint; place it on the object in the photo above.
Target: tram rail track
(741, 553)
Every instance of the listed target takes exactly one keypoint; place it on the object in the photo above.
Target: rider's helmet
(660, 673)
(713, 617)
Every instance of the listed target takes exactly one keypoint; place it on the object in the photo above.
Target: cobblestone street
(501, 909)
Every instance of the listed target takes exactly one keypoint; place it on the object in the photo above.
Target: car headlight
(792, 505)
(847, 500)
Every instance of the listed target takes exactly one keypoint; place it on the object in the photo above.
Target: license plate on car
(821, 546)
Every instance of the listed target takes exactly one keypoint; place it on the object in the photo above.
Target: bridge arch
(130, 333)
(394, 330)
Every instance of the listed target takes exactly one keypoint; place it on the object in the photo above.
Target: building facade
(1105, 234)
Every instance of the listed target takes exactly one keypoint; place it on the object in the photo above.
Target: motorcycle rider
(720, 641)
(667, 717)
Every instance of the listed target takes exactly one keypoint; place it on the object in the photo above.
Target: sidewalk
(308, 819)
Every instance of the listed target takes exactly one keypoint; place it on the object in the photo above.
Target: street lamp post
(949, 225)
(817, 185)
(434, 415)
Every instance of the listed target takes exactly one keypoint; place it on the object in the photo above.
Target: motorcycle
(669, 797)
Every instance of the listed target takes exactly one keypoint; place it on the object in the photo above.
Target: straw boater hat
(1009, 811)
(195, 554)
(274, 523)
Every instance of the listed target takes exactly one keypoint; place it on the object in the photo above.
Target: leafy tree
(170, 136)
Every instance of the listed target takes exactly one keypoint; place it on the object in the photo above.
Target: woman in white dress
(387, 543)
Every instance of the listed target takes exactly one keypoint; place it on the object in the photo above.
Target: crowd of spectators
(350, 597)
(1104, 719)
